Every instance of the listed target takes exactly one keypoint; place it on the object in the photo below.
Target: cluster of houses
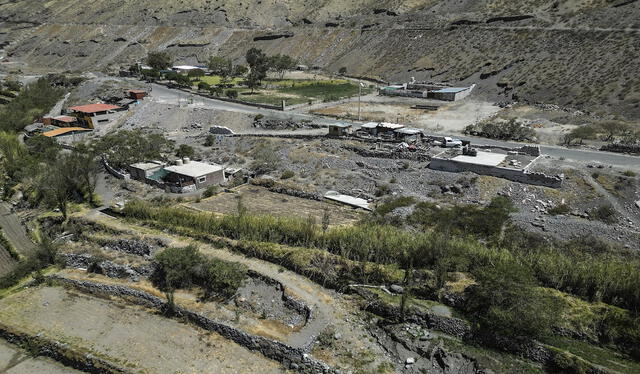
(427, 91)
(78, 121)
(381, 130)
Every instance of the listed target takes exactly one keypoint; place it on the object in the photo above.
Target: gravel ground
(16, 361)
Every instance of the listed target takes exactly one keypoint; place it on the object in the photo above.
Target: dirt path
(14, 232)
(329, 307)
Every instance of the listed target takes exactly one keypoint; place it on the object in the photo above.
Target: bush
(204, 86)
(567, 363)
(510, 130)
(185, 150)
(505, 303)
(560, 209)
(232, 94)
(629, 173)
(287, 174)
(209, 141)
(605, 213)
(391, 205)
(185, 268)
(210, 191)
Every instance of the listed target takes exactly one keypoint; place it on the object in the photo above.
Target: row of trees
(33, 101)
(259, 64)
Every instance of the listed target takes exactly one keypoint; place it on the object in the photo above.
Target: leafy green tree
(204, 86)
(124, 148)
(185, 150)
(174, 268)
(220, 278)
(240, 70)
(195, 73)
(253, 80)
(220, 66)
(281, 64)
(259, 64)
(159, 60)
(613, 128)
(580, 133)
(33, 101)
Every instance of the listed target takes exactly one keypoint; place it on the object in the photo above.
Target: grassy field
(259, 200)
(293, 91)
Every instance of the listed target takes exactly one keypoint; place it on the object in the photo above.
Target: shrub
(232, 94)
(210, 191)
(204, 86)
(629, 173)
(560, 209)
(185, 150)
(391, 205)
(605, 213)
(567, 363)
(210, 141)
(287, 174)
(382, 190)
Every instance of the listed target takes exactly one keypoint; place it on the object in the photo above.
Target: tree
(159, 60)
(259, 64)
(281, 64)
(204, 86)
(240, 70)
(86, 169)
(220, 66)
(342, 71)
(253, 80)
(580, 133)
(216, 90)
(506, 303)
(195, 73)
(127, 147)
(185, 150)
(58, 184)
(613, 128)
(174, 268)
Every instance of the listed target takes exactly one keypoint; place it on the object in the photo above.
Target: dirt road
(330, 309)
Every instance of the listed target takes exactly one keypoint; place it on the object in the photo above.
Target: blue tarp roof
(453, 89)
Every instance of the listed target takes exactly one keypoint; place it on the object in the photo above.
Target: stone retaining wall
(621, 148)
(521, 176)
(112, 170)
(292, 358)
(60, 352)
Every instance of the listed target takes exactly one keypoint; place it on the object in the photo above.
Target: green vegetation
(629, 173)
(392, 204)
(33, 101)
(185, 268)
(4, 243)
(185, 150)
(159, 60)
(126, 147)
(287, 174)
(509, 130)
(560, 209)
(605, 213)
(210, 191)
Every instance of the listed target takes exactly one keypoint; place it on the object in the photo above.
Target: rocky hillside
(577, 53)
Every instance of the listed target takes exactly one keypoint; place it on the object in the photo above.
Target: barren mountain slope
(584, 54)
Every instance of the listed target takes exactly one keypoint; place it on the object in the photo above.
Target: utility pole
(359, 98)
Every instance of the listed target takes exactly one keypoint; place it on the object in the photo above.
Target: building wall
(214, 178)
(521, 176)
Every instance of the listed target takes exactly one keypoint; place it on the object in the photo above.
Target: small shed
(452, 93)
(186, 173)
(409, 134)
(370, 127)
(339, 129)
(137, 94)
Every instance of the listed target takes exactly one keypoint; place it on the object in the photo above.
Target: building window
(202, 179)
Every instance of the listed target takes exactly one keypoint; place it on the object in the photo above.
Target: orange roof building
(64, 131)
(94, 108)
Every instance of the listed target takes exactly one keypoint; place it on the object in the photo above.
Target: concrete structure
(60, 121)
(193, 175)
(143, 170)
(339, 129)
(452, 93)
(92, 115)
(348, 200)
(482, 158)
(68, 135)
(137, 94)
(409, 134)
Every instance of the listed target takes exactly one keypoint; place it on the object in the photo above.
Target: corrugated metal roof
(64, 131)
(341, 125)
(452, 90)
(369, 125)
(94, 108)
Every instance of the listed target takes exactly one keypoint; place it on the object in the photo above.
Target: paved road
(14, 231)
(168, 95)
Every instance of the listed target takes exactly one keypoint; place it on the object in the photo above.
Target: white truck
(448, 142)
